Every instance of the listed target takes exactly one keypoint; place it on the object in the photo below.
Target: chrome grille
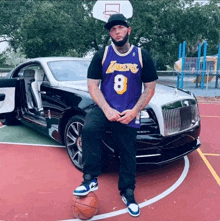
(180, 118)
(172, 120)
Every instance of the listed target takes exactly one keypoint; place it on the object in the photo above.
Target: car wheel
(73, 142)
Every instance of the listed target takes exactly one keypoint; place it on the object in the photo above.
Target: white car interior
(33, 80)
(35, 86)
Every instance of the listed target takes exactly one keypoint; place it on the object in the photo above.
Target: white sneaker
(128, 199)
(86, 187)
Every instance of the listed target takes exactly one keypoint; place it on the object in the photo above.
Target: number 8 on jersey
(120, 84)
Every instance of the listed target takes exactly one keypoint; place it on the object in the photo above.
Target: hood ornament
(176, 92)
(185, 103)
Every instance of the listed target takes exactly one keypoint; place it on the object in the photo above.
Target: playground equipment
(204, 68)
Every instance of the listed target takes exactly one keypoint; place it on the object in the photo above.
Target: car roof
(47, 59)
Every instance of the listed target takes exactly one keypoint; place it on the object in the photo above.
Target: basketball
(85, 207)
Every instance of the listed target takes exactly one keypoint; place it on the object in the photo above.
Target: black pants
(92, 134)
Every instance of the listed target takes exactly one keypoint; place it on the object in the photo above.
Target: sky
(202, 1)
(3, 45)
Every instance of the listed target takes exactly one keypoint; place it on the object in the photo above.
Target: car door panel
(7, 95)
(2, 98)
(52, 110)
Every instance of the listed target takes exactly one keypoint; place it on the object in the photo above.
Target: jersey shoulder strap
(105, 54)
(140, 57)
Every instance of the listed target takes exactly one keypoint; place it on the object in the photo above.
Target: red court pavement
(37, 183)
(210, 132)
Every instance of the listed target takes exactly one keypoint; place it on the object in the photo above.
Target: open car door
(8, 90)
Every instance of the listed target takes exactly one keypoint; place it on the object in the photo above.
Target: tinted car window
(69, 70)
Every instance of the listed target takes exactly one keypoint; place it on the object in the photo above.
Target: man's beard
(122, 42)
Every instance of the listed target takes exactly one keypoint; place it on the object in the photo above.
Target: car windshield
(74, 70)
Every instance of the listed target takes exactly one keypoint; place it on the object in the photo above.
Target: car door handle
(43, 92)
(2, 97)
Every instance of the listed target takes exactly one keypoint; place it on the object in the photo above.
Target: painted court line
(214, 174)
(29, 144)
(150, 201)
(211, 154)
(210, 116)
(213, 102)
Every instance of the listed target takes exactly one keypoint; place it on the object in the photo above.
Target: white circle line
(30, 144)
(150, 201)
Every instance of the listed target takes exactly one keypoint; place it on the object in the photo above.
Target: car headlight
(149, 124)
(144, 114)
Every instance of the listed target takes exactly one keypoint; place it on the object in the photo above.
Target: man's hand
(112, 114)
(127, 116)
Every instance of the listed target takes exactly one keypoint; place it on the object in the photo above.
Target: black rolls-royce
(50, 95)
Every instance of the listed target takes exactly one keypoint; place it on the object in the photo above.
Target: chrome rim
(74, 143)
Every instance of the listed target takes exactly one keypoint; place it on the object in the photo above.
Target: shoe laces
(87, 178)
(85, 182)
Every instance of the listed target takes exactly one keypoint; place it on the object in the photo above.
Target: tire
(73, 143)
(72, 139)
(9, 120)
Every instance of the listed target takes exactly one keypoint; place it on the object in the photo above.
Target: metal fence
(190, 80)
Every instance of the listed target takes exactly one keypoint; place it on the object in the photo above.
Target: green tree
(56, 28)
(44, 32)
(168, 23)
(2, 59)
(11, 18)
(61, 28)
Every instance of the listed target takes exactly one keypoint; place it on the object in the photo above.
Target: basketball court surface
(37, 180)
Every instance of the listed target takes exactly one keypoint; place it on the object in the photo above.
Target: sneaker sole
(86, 193)
(125, 201)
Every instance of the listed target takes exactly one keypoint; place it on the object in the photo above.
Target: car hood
(80, 85)
(163, 94)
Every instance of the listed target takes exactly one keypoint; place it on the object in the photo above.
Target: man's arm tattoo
(146, 96)
(96, 94)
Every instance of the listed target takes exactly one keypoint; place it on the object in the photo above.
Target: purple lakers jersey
(121, 79)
